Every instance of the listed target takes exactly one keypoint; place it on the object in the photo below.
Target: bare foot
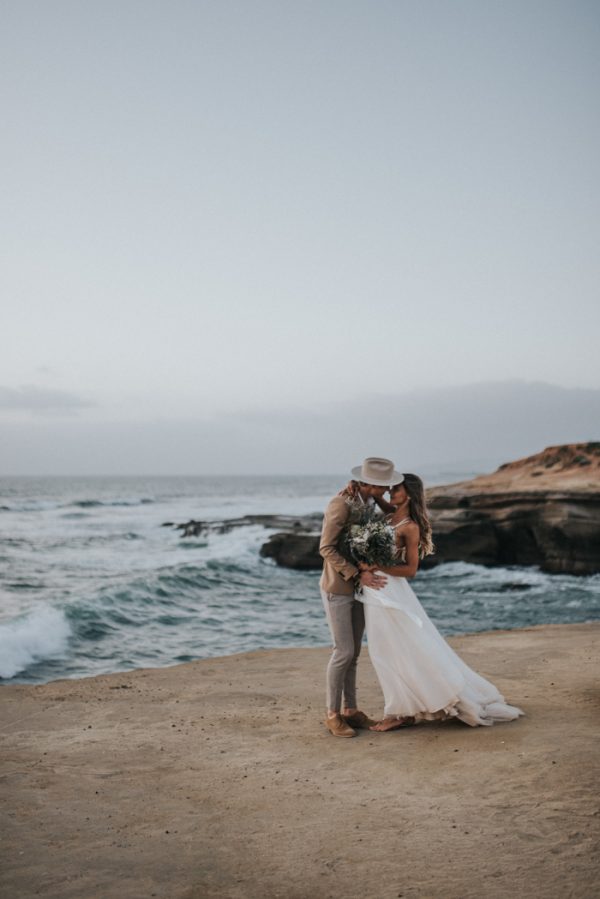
(392, 722)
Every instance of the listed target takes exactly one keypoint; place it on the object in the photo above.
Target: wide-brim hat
(378, 472)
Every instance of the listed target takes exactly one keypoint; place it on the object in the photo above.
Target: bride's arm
(410, 567)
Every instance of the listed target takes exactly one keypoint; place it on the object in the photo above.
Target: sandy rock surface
(569, 467)
(217, 779)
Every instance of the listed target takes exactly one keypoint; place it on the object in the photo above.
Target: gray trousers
(346, 619)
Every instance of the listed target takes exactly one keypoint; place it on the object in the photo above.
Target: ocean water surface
(92, 582)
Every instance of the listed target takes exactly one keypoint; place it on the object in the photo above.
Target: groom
(345, 615)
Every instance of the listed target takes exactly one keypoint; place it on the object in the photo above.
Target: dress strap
(398, 523)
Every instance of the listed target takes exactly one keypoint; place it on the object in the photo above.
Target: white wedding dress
(420, 674)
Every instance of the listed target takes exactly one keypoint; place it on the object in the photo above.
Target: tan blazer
(338, 573)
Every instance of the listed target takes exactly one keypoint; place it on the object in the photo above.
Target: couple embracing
(421, 677)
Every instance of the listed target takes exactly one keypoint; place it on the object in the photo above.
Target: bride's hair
(418, 512)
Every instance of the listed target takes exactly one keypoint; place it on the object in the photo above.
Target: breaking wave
(42, 634)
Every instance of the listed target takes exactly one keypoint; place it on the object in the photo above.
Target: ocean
(91, 582)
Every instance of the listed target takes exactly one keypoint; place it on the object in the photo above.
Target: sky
(275, 214)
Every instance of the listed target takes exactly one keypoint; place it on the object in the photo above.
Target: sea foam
(42, 634)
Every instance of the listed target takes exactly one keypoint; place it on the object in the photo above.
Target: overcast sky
(218, 211)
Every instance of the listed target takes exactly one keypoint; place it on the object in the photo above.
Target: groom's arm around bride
(338, 572)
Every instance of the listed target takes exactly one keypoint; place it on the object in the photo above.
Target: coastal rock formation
(542, 510)
(289, 523)
(294, 550)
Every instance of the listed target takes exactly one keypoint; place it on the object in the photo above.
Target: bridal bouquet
(372, 541)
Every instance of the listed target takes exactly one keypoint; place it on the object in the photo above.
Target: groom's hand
(373, 580)
(351, 489)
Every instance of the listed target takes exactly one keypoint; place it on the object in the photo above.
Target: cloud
(30, 398)
(448, 432)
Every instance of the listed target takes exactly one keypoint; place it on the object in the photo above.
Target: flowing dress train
(420, 674)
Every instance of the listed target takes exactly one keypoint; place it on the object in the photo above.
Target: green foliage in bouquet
(372, 541)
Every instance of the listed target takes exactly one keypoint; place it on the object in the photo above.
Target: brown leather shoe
(359, 720)
(338, 727)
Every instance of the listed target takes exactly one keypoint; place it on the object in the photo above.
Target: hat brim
(357, 474)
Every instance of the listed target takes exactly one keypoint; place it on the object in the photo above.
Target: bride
(421, 677)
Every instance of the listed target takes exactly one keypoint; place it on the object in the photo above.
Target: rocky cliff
(542, 510)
